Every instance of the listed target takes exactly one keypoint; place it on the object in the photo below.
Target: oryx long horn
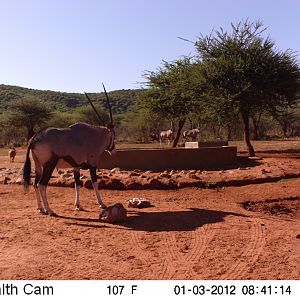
(108, 104)
(95, 110)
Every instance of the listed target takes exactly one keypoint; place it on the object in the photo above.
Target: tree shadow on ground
(286, 153)
(245, 161)
(186, 220)
(175, 220)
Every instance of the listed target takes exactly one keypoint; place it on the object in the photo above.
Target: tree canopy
(244, 70)
(30, 113)
(173, 91)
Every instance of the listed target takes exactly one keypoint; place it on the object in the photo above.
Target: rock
(88, 184)
(115, 170)
(113, 214)
(67, 175)
(138, 203)
(5, 180)
(132, 174)
(165, 175)
(19, 180)
(115, 184)
(102, 184)
(154, 183)
(133, 183)
(193, 176)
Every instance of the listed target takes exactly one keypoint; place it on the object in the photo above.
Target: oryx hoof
(79, 208)
(41, 211)
(51, 213)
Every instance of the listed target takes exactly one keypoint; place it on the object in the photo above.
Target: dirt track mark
(176, 262)
(250, 253)
(180, 264)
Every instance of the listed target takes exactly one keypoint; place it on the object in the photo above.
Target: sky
(74, 46)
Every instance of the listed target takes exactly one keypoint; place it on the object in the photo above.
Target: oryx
(191, 133)
(80, 145)
(166, 135)
(295, 130)
(12, 152)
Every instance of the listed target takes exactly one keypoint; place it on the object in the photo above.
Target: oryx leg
(95, 186)
(76, 173)
(47, 172)
(38, 176)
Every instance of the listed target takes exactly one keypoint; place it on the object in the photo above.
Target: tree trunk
(30, 133)
(228, 132)
(256, 123)
(180, 126)
(255, 128)
(285, 128)
(250, 149)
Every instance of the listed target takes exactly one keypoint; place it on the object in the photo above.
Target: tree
(285, 117)
(172, 91)
(28, 112)
(244, 69)
(86, 114)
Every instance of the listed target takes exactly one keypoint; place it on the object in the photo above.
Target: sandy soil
(234, 232)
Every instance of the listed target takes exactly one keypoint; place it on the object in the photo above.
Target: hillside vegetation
(120, 100)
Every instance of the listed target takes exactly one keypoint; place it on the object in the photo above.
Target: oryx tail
(27, 168)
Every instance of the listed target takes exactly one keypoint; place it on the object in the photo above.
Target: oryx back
(80, 144)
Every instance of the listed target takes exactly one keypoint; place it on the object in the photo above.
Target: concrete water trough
(166, 159)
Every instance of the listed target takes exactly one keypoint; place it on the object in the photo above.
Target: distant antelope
(296, 130)
(166, 135)
(191, 133)
(80, 145)
(12, 152)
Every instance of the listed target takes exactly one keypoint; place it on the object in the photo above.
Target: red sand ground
(188, 233)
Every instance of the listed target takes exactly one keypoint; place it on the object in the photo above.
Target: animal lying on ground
(12, 154)
(80, 145)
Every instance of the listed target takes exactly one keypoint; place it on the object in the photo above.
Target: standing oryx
(12, 152)
(80, 145)
(191, 133)
(166, 135)
(295, 130)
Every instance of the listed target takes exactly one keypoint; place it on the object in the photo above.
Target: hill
(61, 101)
